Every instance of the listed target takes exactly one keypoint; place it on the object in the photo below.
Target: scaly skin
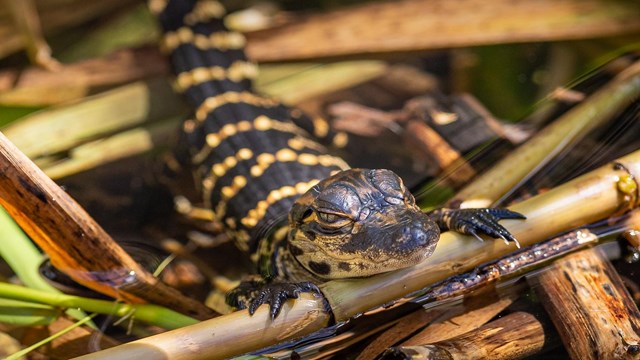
(254, 161)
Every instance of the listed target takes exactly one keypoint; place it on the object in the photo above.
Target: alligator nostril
(406, 231)
(419, 235)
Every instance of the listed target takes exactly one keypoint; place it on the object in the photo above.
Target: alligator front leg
(476, 221)
(253, 293)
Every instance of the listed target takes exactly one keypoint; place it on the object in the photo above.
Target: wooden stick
(462, 323)
(514, 336)
(75, 243)
(366, 28)
(518, 262)
(446, 322)
(590, 306)
(429, 141)
(407, 325)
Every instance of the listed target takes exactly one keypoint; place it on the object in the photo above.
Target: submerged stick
(590, 306)
(565, 207)
(75, 243)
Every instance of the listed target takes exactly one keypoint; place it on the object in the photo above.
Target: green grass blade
(21, 313)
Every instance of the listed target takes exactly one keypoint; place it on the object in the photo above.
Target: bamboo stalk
(76, 244)
(323, 79)
(565, 207)
(514, 336)
(218, 338)
(539, 150)
(590, 306)
(65, 127)
(118, 146)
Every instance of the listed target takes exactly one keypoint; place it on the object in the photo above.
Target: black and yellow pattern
(300, 213)
(249, 154)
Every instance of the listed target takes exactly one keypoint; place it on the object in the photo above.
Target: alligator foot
(255, 293)
(476, 221)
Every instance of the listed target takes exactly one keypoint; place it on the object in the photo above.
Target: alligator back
(249, 159)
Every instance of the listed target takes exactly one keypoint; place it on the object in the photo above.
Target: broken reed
(565, 207)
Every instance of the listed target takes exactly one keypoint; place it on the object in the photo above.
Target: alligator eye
(307, 213)
(393, 200)
(328, 217)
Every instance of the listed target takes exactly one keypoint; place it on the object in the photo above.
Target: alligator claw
(274, 294)
(478, 221)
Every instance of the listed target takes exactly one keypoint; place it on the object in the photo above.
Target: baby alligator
(254, 162)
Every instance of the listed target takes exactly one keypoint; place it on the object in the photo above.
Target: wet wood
(429, 141)
(405, 327)
(75, 243)
(436, 129)
(484, 303)
(460, 119)
(590, 306)
(440, 323)
(434, 148)
(366, 29)
(514, 336)
(477, 313)
(516, 263)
